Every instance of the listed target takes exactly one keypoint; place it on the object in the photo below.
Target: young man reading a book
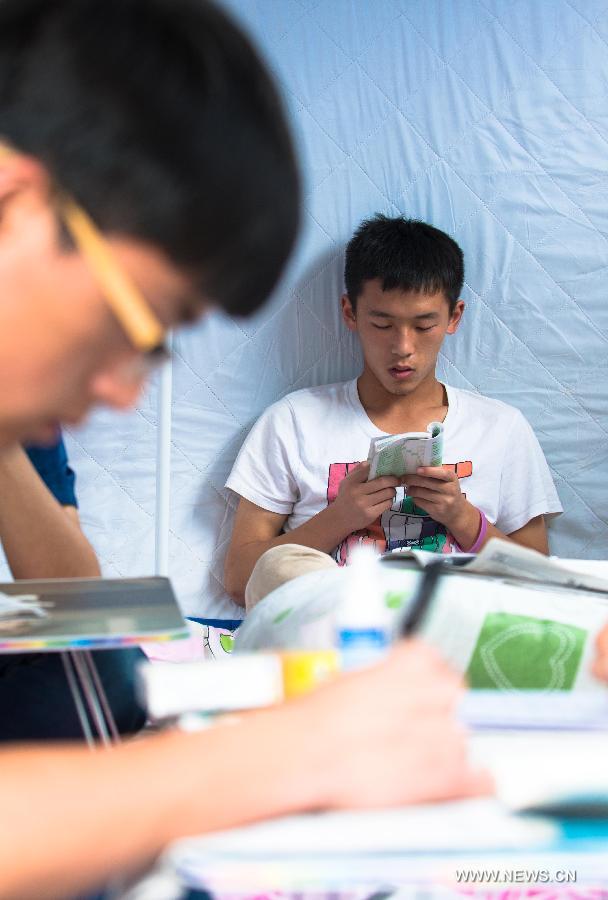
(302, 478)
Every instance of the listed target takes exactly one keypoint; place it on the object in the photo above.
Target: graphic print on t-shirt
(403, 525)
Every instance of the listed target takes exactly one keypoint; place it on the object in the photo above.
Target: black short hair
(159, 117)
(403, 253)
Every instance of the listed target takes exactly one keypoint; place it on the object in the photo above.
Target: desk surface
(430, 844)
(94, 614)
(575, 857)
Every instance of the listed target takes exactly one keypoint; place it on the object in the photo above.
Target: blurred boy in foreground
(147, 175)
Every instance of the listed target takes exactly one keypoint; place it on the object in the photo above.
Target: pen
(419, 606)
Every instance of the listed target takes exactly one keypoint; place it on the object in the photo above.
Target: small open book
(402, 454)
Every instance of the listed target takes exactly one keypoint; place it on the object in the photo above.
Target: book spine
(372, 459)
(436, 429)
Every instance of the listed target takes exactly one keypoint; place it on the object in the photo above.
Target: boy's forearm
(39, 539)
(466, 530)
(322, 532)
(72, 818)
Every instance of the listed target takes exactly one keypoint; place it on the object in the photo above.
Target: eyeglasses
(137, 319)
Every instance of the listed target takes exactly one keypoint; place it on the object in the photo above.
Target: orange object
(303, 670)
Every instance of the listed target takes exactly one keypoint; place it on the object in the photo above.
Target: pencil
(423, 597)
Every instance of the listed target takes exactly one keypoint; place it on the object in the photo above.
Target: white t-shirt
(302, 447)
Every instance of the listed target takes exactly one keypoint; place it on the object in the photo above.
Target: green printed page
(524, 653)
(391, 462)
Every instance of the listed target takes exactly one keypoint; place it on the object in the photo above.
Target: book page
(508, 559)
(545, 769)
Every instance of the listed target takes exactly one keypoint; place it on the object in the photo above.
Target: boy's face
(401, 333)
(62, 351)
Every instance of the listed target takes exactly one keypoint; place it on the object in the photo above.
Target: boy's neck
(397, 413)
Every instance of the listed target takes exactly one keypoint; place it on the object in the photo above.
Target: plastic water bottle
(363, 622)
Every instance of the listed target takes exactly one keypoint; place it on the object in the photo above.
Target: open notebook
(80, 613)
(504, 559)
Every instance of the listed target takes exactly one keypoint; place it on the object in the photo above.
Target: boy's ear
(456, 317)
(348, 313)
(24, 189)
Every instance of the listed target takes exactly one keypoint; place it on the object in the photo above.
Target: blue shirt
(51, 463)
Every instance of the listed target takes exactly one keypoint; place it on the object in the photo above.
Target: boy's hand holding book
(360, 502)
(437, 491)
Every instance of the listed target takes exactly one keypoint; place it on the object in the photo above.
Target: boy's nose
(403, 346)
